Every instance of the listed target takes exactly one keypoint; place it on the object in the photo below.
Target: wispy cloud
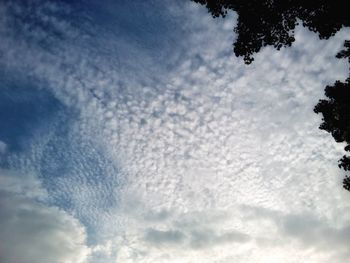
(3, 147)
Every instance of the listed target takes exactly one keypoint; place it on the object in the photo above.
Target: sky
(129, 132)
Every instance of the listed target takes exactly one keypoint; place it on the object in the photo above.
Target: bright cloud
(32, 231)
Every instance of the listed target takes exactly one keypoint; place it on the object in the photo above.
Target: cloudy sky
(129, 132)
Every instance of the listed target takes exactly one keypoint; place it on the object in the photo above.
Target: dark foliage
(336, 114)
(346, 183)
(272, 22)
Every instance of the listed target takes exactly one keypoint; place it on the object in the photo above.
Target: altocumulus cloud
(218, 162)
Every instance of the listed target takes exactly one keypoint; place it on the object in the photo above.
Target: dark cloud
(196, 239)
(207, 238)
(159, 237)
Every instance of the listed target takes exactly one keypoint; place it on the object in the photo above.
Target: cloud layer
(171, 149)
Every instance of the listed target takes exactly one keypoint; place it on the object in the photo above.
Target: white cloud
(24, 185)
(306, 230)
(201, 137)
(34, 232)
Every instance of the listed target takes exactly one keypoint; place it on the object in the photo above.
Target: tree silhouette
(272, 22)
(336, 114)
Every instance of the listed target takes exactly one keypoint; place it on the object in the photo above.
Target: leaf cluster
(336, 113)
(272, 22)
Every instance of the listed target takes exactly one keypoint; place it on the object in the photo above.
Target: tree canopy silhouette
(336, 114)
(272, 22)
